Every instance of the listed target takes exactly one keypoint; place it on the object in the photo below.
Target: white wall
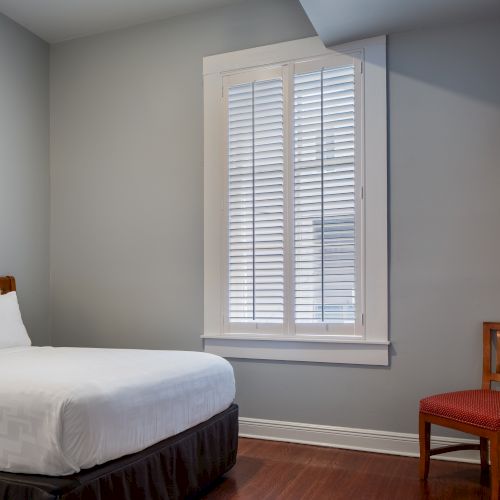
(127, 179)
(24, 172)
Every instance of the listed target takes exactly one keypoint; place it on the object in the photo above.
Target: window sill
(353, 351)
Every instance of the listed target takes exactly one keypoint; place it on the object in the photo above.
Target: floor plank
(268, 470)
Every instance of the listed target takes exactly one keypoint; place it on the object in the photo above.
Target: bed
(105, 424)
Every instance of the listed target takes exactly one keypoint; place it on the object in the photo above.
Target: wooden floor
(268, 470)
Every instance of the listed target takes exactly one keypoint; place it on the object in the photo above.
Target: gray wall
(127, 173)
(24, 172)
(127, 178)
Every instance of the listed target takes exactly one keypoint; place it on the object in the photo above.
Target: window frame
(370, 343)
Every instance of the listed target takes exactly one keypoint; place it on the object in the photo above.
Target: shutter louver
(256, 202)
(324, 196)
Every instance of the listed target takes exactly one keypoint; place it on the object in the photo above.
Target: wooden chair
(475, 412)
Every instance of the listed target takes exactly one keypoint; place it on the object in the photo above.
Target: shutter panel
(256, 202)
(324, 196)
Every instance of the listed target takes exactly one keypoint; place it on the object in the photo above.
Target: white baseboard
(393, 443)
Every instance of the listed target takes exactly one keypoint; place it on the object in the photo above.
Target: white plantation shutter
(255, 206)
(293, 219)
(325, 218)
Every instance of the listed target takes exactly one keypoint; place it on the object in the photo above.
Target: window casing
(285, 228)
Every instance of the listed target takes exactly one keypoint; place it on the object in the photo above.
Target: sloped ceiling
(338, 21)
(57, 20)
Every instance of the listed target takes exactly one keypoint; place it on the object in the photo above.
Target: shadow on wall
(470, 42)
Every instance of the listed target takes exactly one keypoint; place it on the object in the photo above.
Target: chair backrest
(491, 358)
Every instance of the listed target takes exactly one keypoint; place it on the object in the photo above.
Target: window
(296, 203)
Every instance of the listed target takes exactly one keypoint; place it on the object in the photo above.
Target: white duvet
(66, 409)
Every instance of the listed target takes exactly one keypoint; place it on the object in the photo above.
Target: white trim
(298, 349)
(375, 192)
(326, 339)
(371, 53)
(281, 52)
(391, 443)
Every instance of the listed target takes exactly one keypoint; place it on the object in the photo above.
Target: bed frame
(7, 284)
(183, 466)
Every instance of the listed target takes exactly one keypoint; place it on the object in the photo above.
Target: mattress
(67, 409)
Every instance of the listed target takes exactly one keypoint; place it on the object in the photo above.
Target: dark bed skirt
(179, 467)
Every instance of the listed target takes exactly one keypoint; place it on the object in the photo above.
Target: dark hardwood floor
(268, 470)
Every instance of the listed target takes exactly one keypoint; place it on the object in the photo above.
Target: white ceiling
(58, 20)
(338, 21)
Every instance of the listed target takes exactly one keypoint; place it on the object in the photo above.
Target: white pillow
(12, 330)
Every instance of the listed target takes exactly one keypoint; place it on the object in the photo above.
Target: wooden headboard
(7, 284)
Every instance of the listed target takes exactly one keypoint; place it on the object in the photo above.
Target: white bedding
(66, 409)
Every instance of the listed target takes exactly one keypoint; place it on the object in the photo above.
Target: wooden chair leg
(484, 457)
(424, 434)
(494, 476)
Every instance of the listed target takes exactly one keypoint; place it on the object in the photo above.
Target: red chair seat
(476, 407)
